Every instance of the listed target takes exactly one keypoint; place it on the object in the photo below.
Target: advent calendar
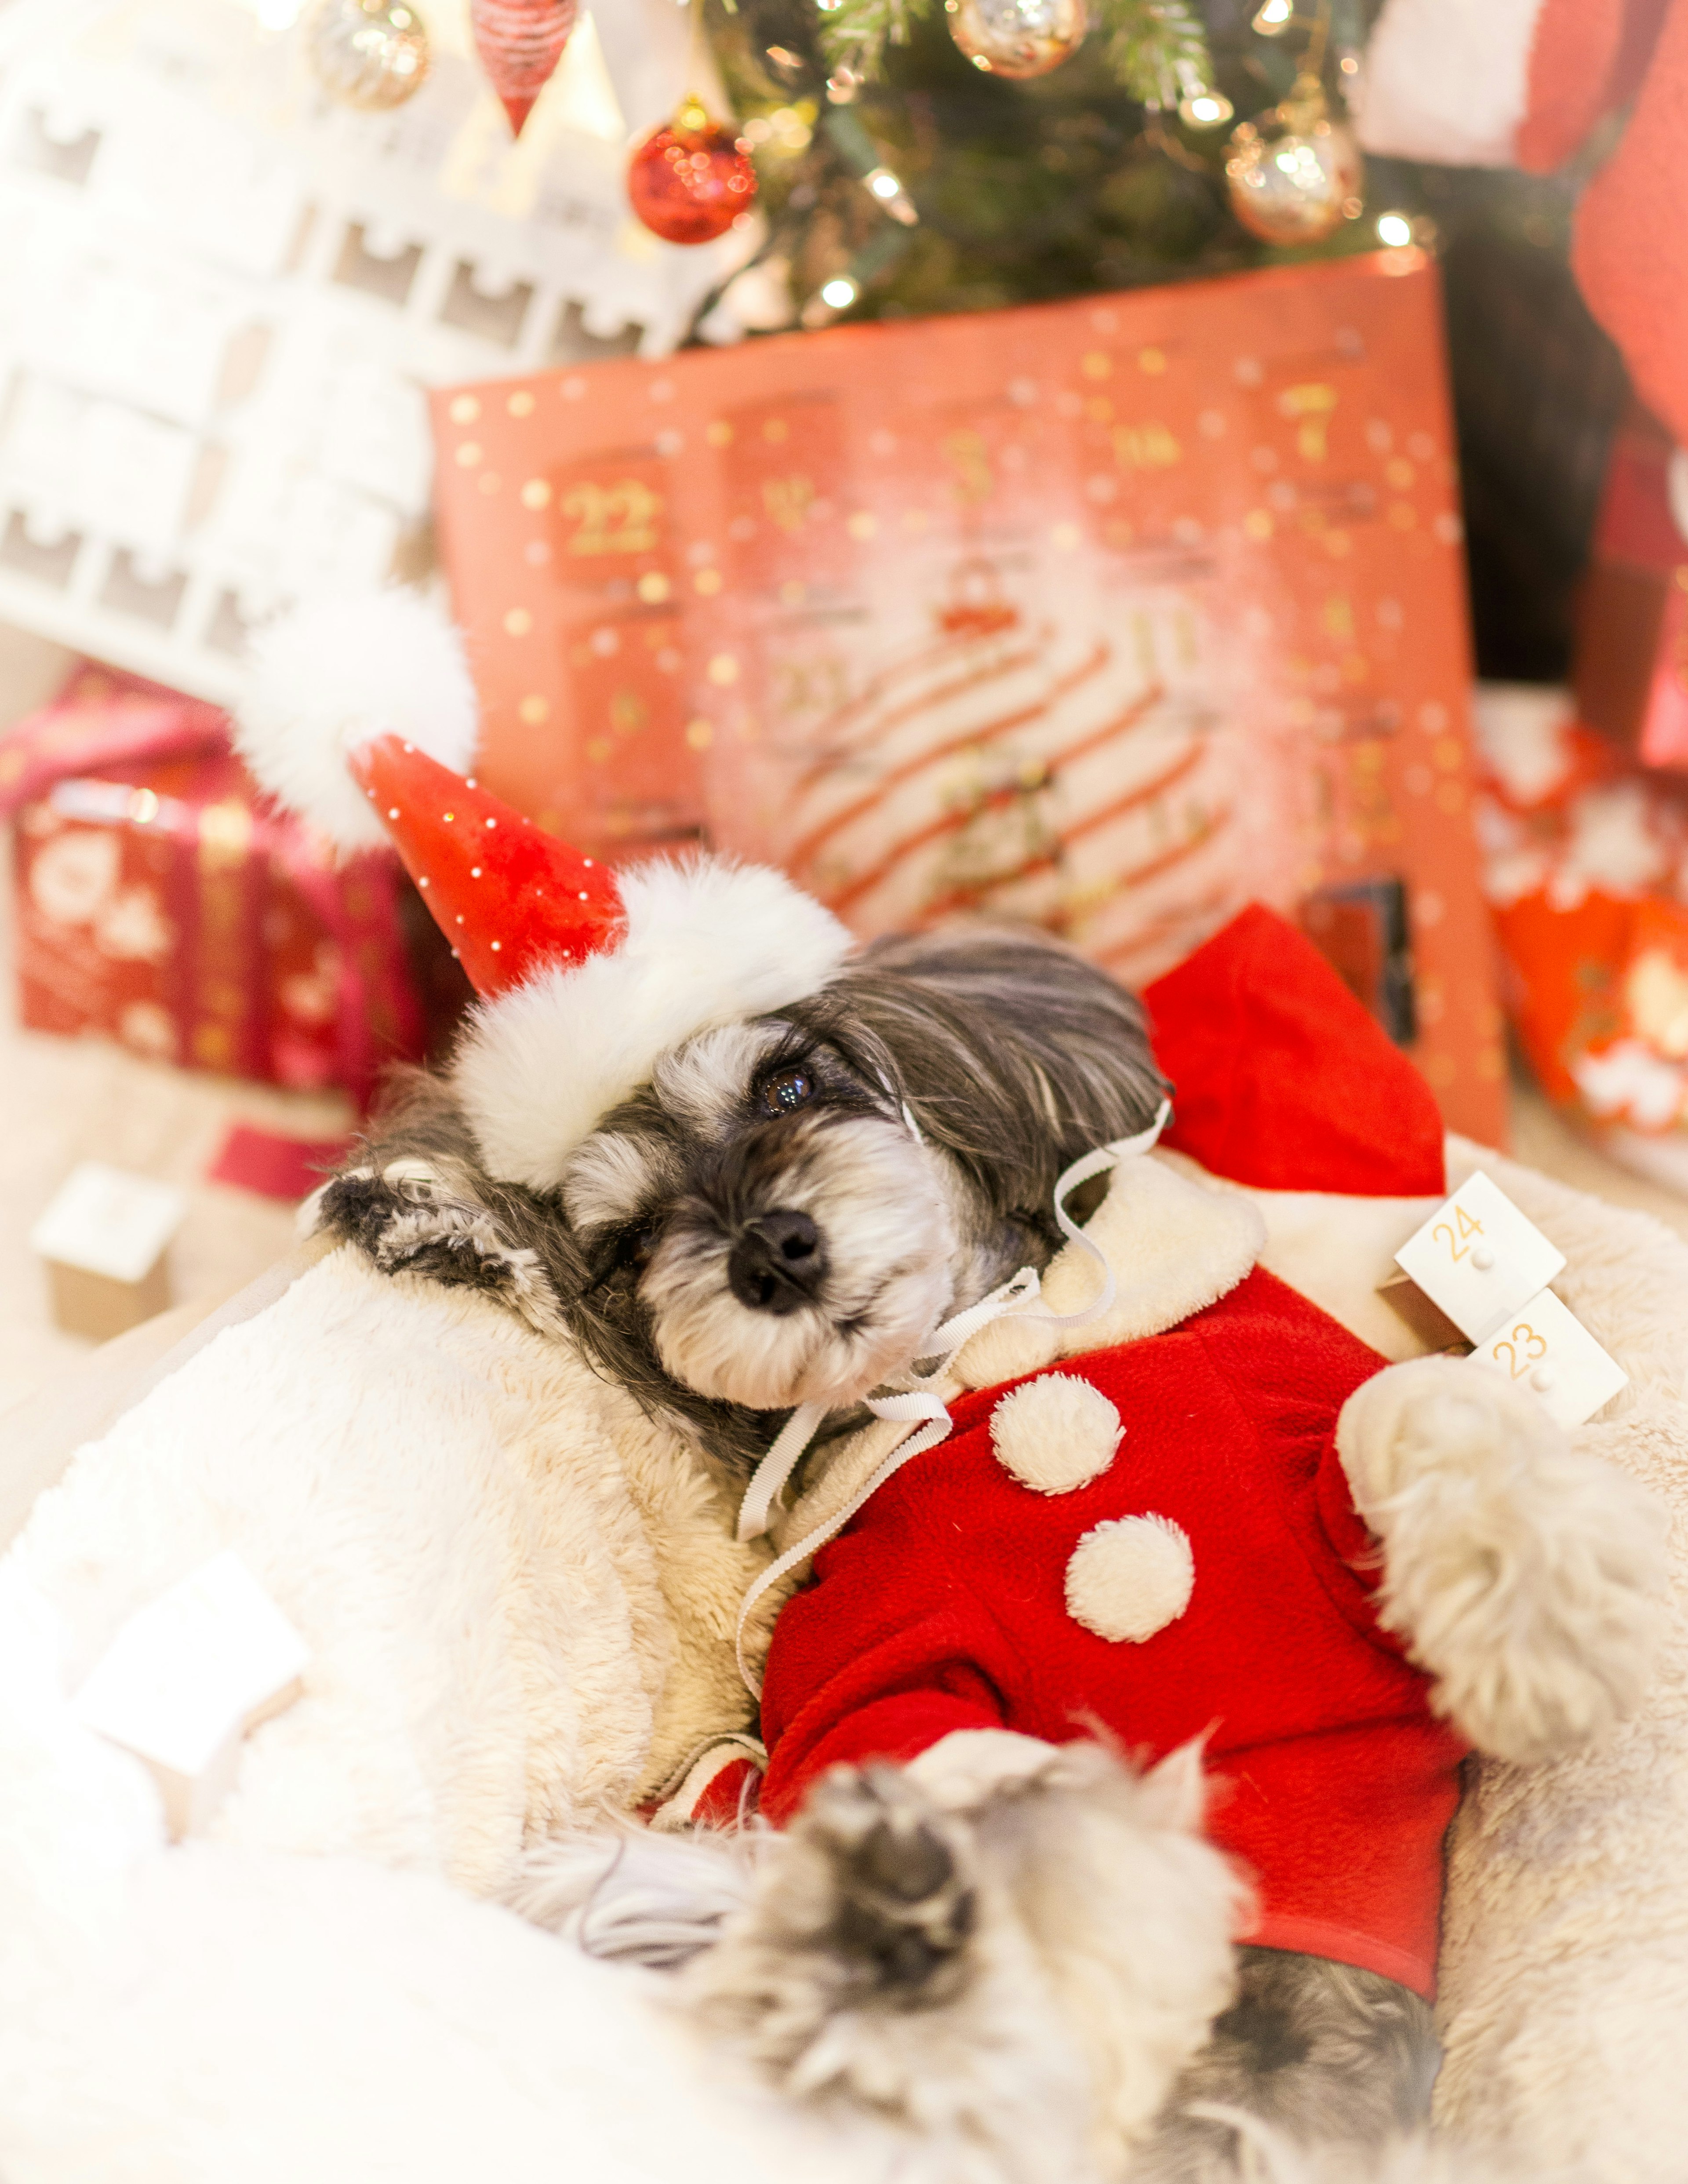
(1106, 616)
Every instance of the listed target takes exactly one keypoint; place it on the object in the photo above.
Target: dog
(779, 1220)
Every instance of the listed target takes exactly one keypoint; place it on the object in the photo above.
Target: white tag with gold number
(1544, 1346)
(1478, 1258)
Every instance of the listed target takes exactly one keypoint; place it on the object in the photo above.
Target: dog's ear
(417, 1202)
(1013, 1053)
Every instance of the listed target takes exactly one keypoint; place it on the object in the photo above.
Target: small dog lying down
(1296, 1590)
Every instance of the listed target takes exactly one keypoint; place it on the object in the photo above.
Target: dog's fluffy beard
(891, 1244)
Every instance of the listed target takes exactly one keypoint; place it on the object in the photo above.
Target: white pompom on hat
(359, 716)
(328, 677)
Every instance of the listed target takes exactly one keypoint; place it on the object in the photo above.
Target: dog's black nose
(778, 1262)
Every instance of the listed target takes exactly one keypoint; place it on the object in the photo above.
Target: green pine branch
(854, 33)
(1157, 48)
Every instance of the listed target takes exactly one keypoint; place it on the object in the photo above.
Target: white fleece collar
(1176, 1245)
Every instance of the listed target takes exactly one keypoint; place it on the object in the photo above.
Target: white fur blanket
(1564, 1972)
(1564, 1964)
(228, 2011)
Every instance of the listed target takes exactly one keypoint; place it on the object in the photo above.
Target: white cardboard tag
(1544, 1345)
(1478, 1258)
(187, 1675)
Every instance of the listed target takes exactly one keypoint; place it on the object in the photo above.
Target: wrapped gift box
(160, 903)
(1106, 615)
(1586, 867)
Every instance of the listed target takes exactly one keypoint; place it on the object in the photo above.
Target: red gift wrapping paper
(161, 903)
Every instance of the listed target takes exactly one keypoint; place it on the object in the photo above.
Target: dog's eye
(783, 1094)
(637, 1246)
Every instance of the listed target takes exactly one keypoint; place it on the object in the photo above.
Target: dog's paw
(1526, 1576)
(868, 1902)
(880, 1959)
(899, 1876)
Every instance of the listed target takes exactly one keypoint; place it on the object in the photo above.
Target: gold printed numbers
(1544, 1348)
(1487, 1267)
(612, 519)
(1519, 1359)
(1479, 1259)
(1468, 1227)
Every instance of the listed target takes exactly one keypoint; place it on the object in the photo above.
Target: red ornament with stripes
(520, 43)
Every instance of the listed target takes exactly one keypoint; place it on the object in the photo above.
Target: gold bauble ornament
(368, 53)
(1294, 175)
(1017, 38)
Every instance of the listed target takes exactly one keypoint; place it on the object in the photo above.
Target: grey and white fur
(1042, 1974)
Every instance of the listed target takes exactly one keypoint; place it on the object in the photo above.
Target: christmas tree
(899, 178)
(892, 164)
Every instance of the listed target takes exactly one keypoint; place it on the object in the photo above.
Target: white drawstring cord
(918, 1403)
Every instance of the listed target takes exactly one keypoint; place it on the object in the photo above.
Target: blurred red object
(162, 904)
(520, 43)
(1585, 868)
(273, 1164)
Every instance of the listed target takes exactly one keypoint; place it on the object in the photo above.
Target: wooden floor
(64, 1101)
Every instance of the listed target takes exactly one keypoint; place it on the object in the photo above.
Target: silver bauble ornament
(368, 53)
(1017, 38)
(1294, 175)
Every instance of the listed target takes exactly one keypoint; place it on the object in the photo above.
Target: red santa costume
(1160, 1543)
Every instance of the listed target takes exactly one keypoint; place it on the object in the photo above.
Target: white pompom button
(1129, 1579)
(1056, 1433)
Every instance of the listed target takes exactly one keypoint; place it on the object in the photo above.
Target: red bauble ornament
(690, 179)
(520, 43)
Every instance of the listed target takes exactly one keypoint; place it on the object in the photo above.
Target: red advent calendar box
(1107, 615)
(160, 904)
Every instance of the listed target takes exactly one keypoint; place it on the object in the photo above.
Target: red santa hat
(359, 716)
(1523, 83)
(1282, 1078)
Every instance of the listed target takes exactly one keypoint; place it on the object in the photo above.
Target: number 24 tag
(1468, 1227)
(1479, 1259)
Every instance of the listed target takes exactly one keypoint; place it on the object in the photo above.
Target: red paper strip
(273, 1165)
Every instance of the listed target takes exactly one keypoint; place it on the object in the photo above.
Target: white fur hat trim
(1056, 1433)
(1131, 1578)
(708, 942)
(334, 673)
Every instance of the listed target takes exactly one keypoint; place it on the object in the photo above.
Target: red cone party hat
(359, 715)
(506, 895)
